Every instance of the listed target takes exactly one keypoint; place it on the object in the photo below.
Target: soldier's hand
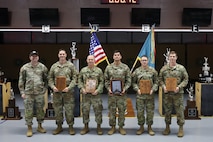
(165, 90)
(55, 89)
(84, 91)
(139, 91)
(151, 92)
(65, 89)
(95, 93)
(110, 92)
(23, 96)
(177, 89)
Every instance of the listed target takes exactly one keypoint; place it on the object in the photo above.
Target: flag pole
(134, 65)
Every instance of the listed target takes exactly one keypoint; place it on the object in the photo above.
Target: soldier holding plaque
(145, 83)
(91, 82)
(117, 81)
(173, 78)
(62, 80)
(33, 85)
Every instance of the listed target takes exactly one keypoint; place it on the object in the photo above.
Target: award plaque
(61, 83)
(12, 111)
(191, 111)
(116, 86)
(145, 86)
(90, 85)
(171, 84)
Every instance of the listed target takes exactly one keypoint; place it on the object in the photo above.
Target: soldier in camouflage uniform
(117, 71)
(33, 85)
(63, 100)
(145, 101)
(170, 98)
(91, 96)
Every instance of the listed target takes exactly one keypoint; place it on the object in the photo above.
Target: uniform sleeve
(161, 79)
(22, 80)
(155, 81)
(73, 78)
(128, 79)
(106, 78)
(80, 80)
(185, 78)
(45, 76)
(101, 82)
(134, 81)
(51, 78)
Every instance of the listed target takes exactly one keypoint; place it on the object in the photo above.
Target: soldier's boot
(58, 130)
(122, 131)
(29, 131)
(150, 131)
(180, 132)
(111, 131)
(167, 130)
(41, 129)
(140, 130)
(71, 130)
(85, 129)
(99, 130)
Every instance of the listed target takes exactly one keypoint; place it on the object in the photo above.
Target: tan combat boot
(29, 131)
(180, 132)
(167, 130)
(140, 130)
(122, 131)
(41, 129)
(99, 130)
(150, 131)
(58, 129)
(71, 130)
(111, 131)
(85, 129)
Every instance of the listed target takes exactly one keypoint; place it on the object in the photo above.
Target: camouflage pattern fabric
(145, 101)
(89, 99)
(64, 100)
(33, 83)
(121, 72)
(171, 98)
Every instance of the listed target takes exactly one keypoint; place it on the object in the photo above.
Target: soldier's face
(172, 58)
(62, 55)
(144, 61)
(90, 60)
(117, 56)
(34, 58)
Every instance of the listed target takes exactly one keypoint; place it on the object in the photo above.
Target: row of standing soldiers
(34, 80)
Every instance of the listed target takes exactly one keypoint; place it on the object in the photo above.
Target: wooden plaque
(61, 83)
(116, 86)
(171, 84)
(145, 86)
(90, 85)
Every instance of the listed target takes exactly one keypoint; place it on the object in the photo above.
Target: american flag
(96, 49)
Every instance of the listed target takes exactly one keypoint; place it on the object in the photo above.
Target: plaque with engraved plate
(116, 86)
(171, 84)
(90, 85)
(145, 86)
(60, 83)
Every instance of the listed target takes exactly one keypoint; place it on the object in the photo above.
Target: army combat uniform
(121, 72)
(88, 99)
(145, 101)
(63, 100)
(33, 83)
(171, 98)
